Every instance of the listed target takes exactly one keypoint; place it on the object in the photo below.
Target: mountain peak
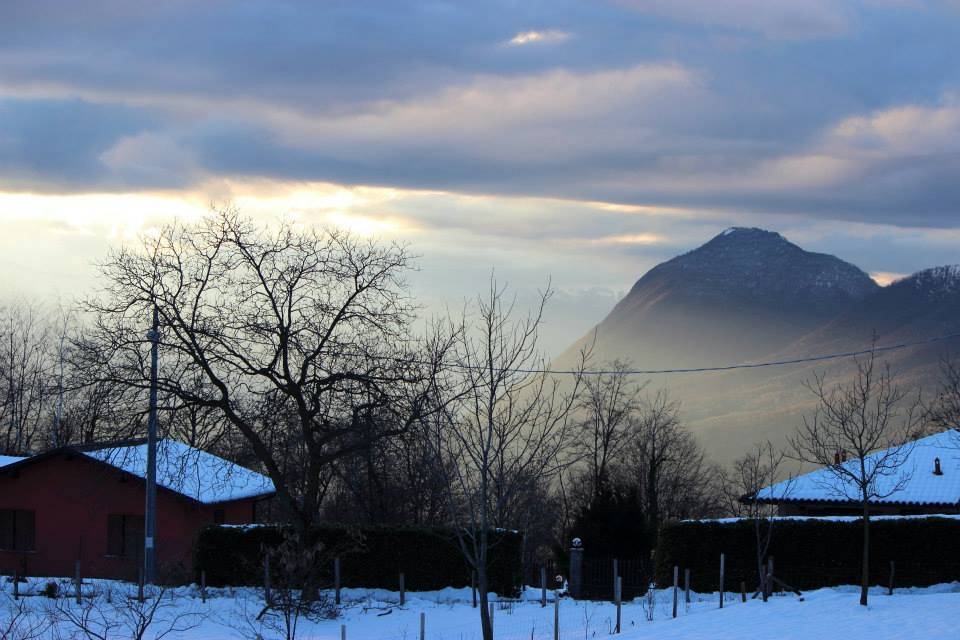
(744, 293)
(749, 234)
(755, 265)
(936, 281)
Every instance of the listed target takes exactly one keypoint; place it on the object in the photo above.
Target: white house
(929, 475)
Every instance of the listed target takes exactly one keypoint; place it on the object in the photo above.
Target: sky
(572, 142)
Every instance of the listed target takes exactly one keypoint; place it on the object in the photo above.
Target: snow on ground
(376, 615)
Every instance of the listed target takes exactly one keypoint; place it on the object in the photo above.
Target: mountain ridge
(750, 295)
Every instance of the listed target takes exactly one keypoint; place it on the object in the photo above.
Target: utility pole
(150, 524)
(58, 414)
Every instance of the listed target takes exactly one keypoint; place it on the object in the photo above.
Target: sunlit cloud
(534, 37)
(363, 226)
(630, 239)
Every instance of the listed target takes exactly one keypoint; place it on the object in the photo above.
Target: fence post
(491, 615)
(616, 572)
(770, 574)
(543, 586)
(267, 596)
(336, 579)
(403, 590)
(576, 571)
(203, 585)
(618, 593)
(892, 571)
(473, 587)
(556, 618)
(76, 580)
(423, 626)
(767, 579)
(723, 561)
(343, 632)
(676, 579)
(743, 591)
(686, 586)
(16, 584)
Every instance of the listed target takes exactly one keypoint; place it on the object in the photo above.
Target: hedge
(370, 556)
(812, 553)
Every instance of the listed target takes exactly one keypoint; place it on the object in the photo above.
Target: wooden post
(203, 586)
(403, 591)
(616, 572)
(723, 561)
(676, 580)
(767, 587)
(743, 591)
(543, 586)
(336, 579)
(16, 584)
(491, 615)
(619, 597)
(140, 584)
(770, 574)
(423, 626)
(343, 632)
(892, 572)
(686, 586)
(556, 618)
(267, 597)
(473, 588)
(76, 580)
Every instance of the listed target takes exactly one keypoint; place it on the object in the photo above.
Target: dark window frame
(125, 535)
(18, 530)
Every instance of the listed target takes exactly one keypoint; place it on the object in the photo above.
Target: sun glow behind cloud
(884, 278)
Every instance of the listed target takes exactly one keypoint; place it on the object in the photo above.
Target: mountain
(750, 295)
(744, 293)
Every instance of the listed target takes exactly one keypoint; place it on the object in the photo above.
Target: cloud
(773, 18)
(833, 110)
(60, 141)
(538, 37)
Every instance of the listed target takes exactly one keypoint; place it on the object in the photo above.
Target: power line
(753, 365)
(651, 372)
(731, 367)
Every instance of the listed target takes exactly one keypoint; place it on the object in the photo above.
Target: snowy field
(376, 615)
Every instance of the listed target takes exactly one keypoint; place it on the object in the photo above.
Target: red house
(87, 503)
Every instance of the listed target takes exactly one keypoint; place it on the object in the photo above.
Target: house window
(218, 516)
(125, 536)
(17, 530)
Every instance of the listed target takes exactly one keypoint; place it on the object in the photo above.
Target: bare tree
(758, 470)
(25, 375)
(300, 338)
(609, 404)
(872, 420)
(502, 436)
(17, 622)
(944, 411)
(668, 466)
(157, 616)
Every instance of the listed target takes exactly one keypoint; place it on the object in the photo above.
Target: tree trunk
(653, 501)
(865, 577)
(485, 622)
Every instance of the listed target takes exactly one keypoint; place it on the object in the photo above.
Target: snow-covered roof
(5, 460)
(921, 486)
(188, 471)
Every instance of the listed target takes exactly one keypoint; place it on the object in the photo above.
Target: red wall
(72, 497)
